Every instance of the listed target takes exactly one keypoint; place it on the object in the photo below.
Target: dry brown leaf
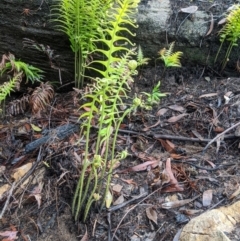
(3, 189)
(211, 25)
(197, 135)
(176, 156)
(236, 193)
(130, 181)
(85, 236)
(218, 129)
(117, 188)
(178, 203)
(191, 212)
(147, 128)
(173, 181)
(211, 163)
(207, 197)
(36, 193)
(168, 145)
(152, 214)
(176, 118)
(177, 108)
(190, 9)
(162, 111)
(208, 95)
(119, 200)
(11, 235)
(222, 21)
(140, 167)
(21, 171)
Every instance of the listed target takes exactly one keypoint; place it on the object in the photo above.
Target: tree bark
(160, 22)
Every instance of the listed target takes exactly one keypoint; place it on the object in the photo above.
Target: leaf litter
(162, 166)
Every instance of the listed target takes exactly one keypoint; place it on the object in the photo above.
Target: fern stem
(227, 56)
(90, 200)
(218, 52)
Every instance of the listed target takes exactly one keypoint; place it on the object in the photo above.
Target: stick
(219, 135)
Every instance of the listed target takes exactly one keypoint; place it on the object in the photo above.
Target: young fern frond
(80, 21)
(32, 73)
(8, 87)
(169, 51)
(140, 57)
(170, 58)
(230, 32)
(16, 66)
(119, 18)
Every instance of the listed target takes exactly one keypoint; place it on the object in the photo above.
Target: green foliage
(170, 58)
(30, 72)
(8, 87)
(17, 70)
(154, 97)
(81, 20)
(140, 58)
(230, 32)
(114, 40)
(105, 101)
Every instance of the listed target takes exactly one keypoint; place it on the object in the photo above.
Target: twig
(134, 199)
(8, 199)
(219, 135)
(17, 183)
(132, 209)
(182, 138)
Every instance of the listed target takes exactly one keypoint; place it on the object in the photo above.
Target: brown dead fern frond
(19, 106)
(41, 97)
(3, 61)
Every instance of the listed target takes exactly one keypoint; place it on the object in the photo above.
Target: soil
(198, 106)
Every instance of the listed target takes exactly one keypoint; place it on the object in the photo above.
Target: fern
(140, 57)
(119, 19)
(16, 66)
(31, 73)
(230, 32)
(80, 21)
(170, 58)
(103, 101)
(8, 87)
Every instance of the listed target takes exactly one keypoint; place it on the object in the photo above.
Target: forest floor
(170, 176)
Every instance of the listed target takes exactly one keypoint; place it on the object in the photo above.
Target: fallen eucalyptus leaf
(152, 214)
(190, 9)
(207, 197)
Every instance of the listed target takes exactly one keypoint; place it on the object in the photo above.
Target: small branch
(7, 201)
(219, 135)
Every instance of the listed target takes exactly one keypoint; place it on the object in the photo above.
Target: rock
(214, 225)
(160, 22)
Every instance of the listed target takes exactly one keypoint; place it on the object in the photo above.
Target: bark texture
(160, 22)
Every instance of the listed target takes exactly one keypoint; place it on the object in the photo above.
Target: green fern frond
(170, 58)
(140, 58)
(32, 73)
(120, 18)
(230, 32)
(80, 21)
(8, 87)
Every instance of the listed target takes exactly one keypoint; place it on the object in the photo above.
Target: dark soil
(196, 171)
